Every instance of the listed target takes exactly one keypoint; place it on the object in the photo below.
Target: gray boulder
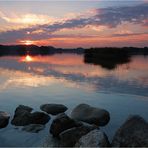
(61, 123)
(133, 133)
(69, 137)
(4, 119)
(39, 118)
(33, 128)
(53, 109)
(23, 116)
(22, 108)
(91, 115)
(94, 138)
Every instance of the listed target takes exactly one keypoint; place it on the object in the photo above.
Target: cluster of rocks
(83, 119)
(31, 121)
(81, 128)
(24, 116)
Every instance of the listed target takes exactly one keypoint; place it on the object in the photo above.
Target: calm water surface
(66, 79)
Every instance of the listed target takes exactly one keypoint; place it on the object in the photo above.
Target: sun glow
(27, 42)
(27, 58)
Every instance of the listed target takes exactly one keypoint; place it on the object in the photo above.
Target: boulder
(70, 137)
(33, 128)
(53, 109)
(133, 133)
(23, 116)
(22, 108)
(21, 119)
(91, 115)
(39, 118)
(4, 119)
(95, 138)
(61, 123)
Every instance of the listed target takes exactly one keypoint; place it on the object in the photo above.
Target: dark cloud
(110, 17)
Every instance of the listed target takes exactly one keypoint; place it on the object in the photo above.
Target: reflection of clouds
(22, 79)
(85, 70)
(142, 81)
(18, 79)
(134, 70)
(127, 78)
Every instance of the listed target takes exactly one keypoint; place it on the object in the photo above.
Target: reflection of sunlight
(27, 58)
(68, 70)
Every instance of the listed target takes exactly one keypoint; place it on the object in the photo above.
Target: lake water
(66, 79)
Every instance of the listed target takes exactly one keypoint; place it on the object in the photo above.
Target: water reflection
(70, 69)
(66, 79)
(107, 58)
(27, 58)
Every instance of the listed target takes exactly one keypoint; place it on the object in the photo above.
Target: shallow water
(66, 79)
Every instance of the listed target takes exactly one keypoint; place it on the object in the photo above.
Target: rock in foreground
(94, 138)
(71, 136)
(133, 133)
(23, 116)
(39, 118)
(4, 119)
(91, 115)
(22, 108)
(61, 123)
(53, 109)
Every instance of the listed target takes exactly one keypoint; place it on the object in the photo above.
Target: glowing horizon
(75, 24)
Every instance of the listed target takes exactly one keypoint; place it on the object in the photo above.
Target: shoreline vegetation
(47, 50)
(20, 50)
(106, 57)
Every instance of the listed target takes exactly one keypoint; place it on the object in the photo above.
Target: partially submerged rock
(22, 108)
(33, 128)
(39, 118)
(133, 133)
(23, 116)
(53, 109)
(91, 115)
(95, 138)
(61, 123)
(69, 137)
(4, 119)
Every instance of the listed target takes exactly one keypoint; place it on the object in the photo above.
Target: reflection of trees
(108, 57)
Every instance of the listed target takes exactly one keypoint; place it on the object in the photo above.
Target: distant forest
(111, 57)
(47, 50)
(35, 50)
(107, 57)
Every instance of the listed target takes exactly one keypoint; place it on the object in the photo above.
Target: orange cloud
(96, 41)
(29, 19)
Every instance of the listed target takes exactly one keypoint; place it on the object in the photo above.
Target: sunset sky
(76, 23)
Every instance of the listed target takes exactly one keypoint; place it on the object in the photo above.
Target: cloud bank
(109, 17)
